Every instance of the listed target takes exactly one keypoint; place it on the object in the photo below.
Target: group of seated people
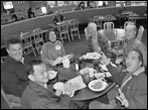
(28, 80)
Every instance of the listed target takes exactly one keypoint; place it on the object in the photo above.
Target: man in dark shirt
(13, 71)
(31, 14)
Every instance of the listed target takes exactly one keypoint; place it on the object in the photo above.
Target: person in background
(104, 4)
(132, 84)
(31, 14)
(13, 70)
(133, 43)
(91, 4)
(52, 51)
(58, 17)
(121, 8)
(14, 17)
(91, 35)
(37, 95)
(81, 6)
(49, 10)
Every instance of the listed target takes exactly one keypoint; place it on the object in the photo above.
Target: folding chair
(63, 30)
(108, 26)
(127, 23)
(74, 28)
(140, 33)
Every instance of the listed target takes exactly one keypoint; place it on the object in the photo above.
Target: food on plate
(97, 85)
(89, 71)
(93, 55)
(100, 76)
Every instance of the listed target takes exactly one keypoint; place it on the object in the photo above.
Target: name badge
(58, 47)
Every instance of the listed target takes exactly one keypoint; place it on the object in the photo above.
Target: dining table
(85, 94)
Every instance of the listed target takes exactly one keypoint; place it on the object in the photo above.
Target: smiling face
(52, 36)
(132, 61)
(15, 51)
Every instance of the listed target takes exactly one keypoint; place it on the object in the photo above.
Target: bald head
(130, 31)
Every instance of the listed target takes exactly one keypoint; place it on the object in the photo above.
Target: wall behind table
(14, 29)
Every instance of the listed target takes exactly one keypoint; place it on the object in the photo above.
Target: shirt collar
(32, 79)
(140, 70)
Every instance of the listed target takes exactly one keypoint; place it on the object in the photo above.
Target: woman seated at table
(91, 35)
(52, 51)
(132, 84)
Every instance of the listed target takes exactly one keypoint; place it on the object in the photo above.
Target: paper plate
(97, 85)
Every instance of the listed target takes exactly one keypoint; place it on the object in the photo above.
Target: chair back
(24, 34)
(28, 45)
(127, 23)
(63, 26)
(36, 30)
(11, 100)
(74, 28)
(108, 26)
(140, 33)
(39, 42)
(63, 30)
(73, 24)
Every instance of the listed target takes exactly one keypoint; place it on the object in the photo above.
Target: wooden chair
(11, 100)
(24, 34)
(74, 28)
(28, 45)
(38, 39)
(108, 26)
(140, 33)
(39, 42)
(63, 30)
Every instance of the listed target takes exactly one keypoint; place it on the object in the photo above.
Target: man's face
(130, 32)
(40, 74)
(52, 36)
(132, 61)
(15, 51)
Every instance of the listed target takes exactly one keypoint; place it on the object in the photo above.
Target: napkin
(73, 85)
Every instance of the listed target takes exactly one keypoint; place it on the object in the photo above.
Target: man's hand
(122, 98)
(58, 61)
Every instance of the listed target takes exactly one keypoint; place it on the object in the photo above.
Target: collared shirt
(14, 76)
(32, 79)
(129, 76)
(52, 51)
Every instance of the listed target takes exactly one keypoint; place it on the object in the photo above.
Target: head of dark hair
(31, 64)
(13, 41)
(140, 57)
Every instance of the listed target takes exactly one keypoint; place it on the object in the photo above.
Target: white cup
(66, 63)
